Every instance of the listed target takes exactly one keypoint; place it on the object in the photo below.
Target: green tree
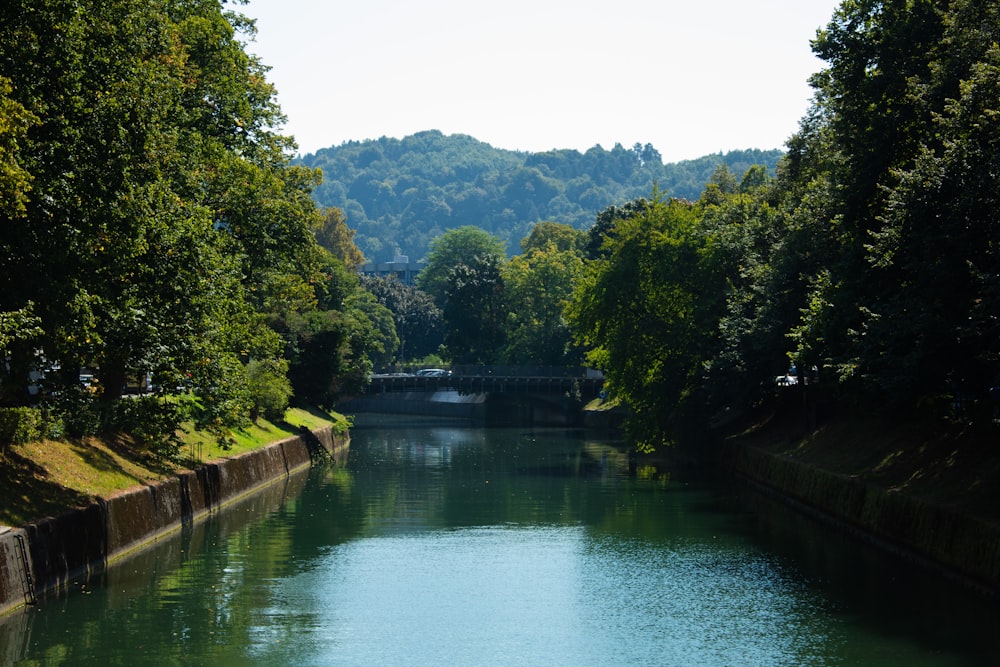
(154, 208)
(564, 237)
(451, 249)
(419, 322)
(15, 180)
(269, 389)
(474, 311)
(375, 331)
(537, 287)
(936, 329)
(647, 313)
(338, 238)
(603, 229)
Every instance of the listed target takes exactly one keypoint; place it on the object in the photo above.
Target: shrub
(77, 410)
(21, 425)
(269, 389)
(152, 421)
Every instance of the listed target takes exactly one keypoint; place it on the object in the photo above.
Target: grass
(45, 478)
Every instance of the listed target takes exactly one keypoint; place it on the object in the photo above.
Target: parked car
(433, 372)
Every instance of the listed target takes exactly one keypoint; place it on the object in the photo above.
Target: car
(433, 372)
(786, 380)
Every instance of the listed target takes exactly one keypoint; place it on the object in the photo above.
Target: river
(445, 545)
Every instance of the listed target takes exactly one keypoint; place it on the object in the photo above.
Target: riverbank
(930, 492)
(45, 553)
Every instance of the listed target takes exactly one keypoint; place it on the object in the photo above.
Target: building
(400, 266)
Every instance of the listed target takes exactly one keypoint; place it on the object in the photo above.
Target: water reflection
(445, 545)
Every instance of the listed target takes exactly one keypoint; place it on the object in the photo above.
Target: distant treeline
(399, 194)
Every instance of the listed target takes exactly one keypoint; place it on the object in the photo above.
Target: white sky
(691, 77)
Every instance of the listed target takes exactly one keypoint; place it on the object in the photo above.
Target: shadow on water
(892, 595)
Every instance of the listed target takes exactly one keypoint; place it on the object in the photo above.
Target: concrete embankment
(48, 553)
(959, 545)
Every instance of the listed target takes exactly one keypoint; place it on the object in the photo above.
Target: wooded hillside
(399, 194)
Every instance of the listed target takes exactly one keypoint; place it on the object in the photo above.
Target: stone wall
(960, 545)
(83, 541)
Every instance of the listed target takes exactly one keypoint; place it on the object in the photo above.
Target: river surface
(446, 545)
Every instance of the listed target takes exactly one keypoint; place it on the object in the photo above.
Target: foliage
(375, 334)
(647, 312)
(418, 320)
(338, 239)
(15, 180)
(474, 311)
(152, 220)
(269, 387)
(154, 422)
(537, 287)
(400, 194)
(21, 425)
(452, 249)
(77, 410)
(869, 261)
(562, 236)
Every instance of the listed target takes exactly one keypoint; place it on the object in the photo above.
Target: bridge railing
(472, 379)
(526, 371)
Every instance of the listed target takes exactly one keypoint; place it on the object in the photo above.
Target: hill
(399, 194)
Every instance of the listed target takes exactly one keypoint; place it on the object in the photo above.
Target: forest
(155, 224)
(399, 194)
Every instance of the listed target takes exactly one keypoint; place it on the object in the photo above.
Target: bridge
(495, 379)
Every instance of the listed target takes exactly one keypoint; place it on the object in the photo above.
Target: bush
(152, 421)
(269, 389)
(77, 411)
(19, 425)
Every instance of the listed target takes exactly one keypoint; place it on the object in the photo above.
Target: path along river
(445, 545)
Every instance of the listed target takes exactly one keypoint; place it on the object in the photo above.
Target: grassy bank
(44, 478)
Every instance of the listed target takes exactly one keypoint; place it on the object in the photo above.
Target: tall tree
(451, 249)
(648, 312)
(474, 311)
(419, 322)
(162, 208)
(537, 288)
(338, 239)
(564, 237)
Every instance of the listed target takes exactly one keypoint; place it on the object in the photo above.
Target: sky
(690, 77)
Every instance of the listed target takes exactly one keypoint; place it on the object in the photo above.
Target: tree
(537, 288)
(562, 236)
(153, 209)
(418, 321)
(647, 312)
(455, 247)
(15, 180)
(375, 332)
(936, 329)
(474, 311)
(603, 229)
(338, 238)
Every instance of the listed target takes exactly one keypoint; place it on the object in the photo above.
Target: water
(454, 546)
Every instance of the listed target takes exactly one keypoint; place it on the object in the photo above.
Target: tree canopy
(868, 263)
(152, 222)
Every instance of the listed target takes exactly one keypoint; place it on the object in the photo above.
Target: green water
(455, 546)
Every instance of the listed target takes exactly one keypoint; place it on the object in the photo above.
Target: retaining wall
(960, 545)
(83, 541)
